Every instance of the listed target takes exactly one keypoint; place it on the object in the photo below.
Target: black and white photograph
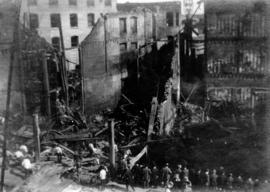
(135, 95)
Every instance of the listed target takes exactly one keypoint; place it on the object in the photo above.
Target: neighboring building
(238, 50)
(167, 15)
(31, 57)
(106, 56)
(77, 19)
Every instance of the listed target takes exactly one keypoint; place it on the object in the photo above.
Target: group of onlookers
(183, 178)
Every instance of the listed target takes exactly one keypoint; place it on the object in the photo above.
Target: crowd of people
(182, 178)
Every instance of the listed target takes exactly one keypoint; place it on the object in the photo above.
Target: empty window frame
(55, 20)
(74, 41)
(134, 24)
(123, 25)
(53, 2)
(73, 20)
(169, 19)
(91, 19)
(177, 19)
(31, 2)
(73, 2)
(33, 21)
(123, 47)
(134, 46)
(56, 43)
(108, 2)
(90, 3)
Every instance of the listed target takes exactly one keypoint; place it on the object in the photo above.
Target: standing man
(230, 181)
(207, 178)
(155, 176)
(214, 177)
(166, 174)
(103, 177)
(177, 175)
(129, 180)
(146, 176)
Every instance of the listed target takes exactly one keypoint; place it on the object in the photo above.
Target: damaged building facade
(76, 17)
(167, 16)
(237, 49)
(106, 53)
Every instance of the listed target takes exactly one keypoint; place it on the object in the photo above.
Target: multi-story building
(77, 18)
(167, 16)
(238, 50)
(108, 54)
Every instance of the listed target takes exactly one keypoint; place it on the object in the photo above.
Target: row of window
(123, 46)
(74, 42)
(133, 25)
(71, 2)
(55, 19)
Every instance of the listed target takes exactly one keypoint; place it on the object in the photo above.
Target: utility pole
(105, 43)
(5, 128)
(64, 69)
(82, 80)
(46, 83)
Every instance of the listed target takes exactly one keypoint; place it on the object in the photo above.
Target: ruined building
(238, 50)
(107, 53)
(77, 18)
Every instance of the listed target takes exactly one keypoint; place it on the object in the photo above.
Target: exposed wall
(7, 23)
(103, 78)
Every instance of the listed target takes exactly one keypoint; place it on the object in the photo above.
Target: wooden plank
(152, 118)
(36, 131)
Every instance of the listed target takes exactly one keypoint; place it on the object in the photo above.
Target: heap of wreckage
(135, 125)
(88, 140)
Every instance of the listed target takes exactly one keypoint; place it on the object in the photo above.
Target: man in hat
(102, 176)
(214, 179)
(239, 182)
(166, 174)
(146, 176)
(230, 181)
(155, 176)
(177, 176)
(128, 177)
